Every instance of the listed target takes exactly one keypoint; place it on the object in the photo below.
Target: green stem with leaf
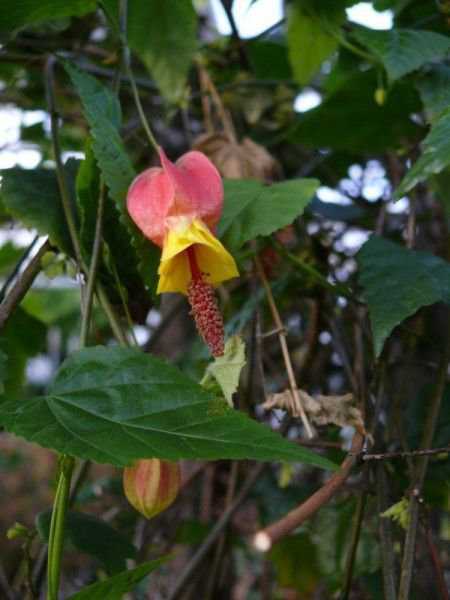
(56, 536)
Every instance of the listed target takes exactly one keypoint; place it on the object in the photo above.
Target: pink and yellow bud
(178, 207)
(151, 485)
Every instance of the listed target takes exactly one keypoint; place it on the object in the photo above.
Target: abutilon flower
(178, 207)
(151, 485)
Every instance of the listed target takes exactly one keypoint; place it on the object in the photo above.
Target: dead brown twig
(263, 540)
(281, 332)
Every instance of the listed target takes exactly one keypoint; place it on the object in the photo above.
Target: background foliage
(344, 206)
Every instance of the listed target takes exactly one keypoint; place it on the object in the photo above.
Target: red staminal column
(205, 309)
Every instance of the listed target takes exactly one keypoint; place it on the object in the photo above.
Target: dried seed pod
(244, 160)
(151, 485)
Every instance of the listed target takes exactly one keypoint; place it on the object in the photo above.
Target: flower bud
(151, 485)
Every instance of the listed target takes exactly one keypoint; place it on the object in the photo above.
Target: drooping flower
(151, 485)
(178, 207)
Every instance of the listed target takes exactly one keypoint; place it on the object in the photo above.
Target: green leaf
(164, 35)
(32, 196)
(115, 405)
(92, 536)
(309, 42)
(434, 158)
(9, 256)
(302, 577)
(3, 371)
(269, 59)
(434, 90)
(403, 50)
(226, 369)
(23, 336)
(102, 111)
(397, 282)
(115, 587)
(121, 253)
(252, 208)
(50, 305)
(373, 128)
(15, 15)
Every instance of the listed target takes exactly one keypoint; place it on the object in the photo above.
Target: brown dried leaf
(321, 410)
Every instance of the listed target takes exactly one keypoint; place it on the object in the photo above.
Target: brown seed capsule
(151, 485)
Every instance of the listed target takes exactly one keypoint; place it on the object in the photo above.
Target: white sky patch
(12, 151)
(72, 154)
(251, 19)
(141, 334)
(39, 369)
(10, 119)
(327, 194)
(28, 158)
(364, 13)
(399, 207)
(20, 237)
(306, 100)
(353, 239)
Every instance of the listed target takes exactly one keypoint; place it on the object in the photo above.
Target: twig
(385, 532)
(284, 347)
(195, 561)
(390, 455)
(232, 480)
(4, 585)
(336, 288)
(17, 268)
(22, 284)
(129, 72)
(243, 58)
(264, 539)
(166, 321)
(440, 577)
(62, 183)
(90, 286)
(419, 475)
(356, 533)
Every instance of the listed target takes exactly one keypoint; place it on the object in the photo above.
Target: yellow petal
(214, 261)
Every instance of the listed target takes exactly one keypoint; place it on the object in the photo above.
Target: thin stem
(434, 555)
(419, 475)
(123, 300)
(343, 41)
(386, 537)
(17, 268)
(197, 558)
(62, 183)
(22, 285)
(66, 202)
(56, 537)
(406, 454)
(5, 588)
(336, 288)
(228, 8)
(114, 322)
(356, 533)
(129, 72)
(89, 296)
(284, 347)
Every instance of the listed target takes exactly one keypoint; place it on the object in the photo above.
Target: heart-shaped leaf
(115, 405)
